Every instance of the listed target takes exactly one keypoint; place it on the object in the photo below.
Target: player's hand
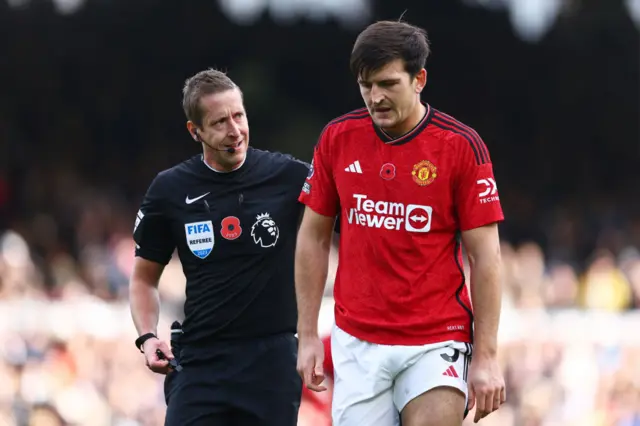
(310, 359)
(152, 358)
(486, 386)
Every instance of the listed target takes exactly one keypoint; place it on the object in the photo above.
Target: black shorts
(252, 382)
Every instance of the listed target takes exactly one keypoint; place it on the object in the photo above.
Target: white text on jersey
(389, 215)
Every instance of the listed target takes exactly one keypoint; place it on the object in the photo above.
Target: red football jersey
(402, 204)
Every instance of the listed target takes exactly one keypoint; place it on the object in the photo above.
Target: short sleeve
(152, 229)
(477, 201)
(319, 189)
(299, 170)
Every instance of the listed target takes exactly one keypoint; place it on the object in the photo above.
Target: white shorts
(373, 383)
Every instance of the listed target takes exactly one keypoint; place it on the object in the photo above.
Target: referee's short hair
(204, 83)
(385, 41)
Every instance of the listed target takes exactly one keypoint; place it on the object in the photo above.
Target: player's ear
(421, 80)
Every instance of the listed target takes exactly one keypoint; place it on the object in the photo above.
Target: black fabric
(235, 234)
(250, 382)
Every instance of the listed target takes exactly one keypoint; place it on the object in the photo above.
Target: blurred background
(90, 94)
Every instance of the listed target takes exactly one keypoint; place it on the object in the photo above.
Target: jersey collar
(407, 137)
(234, 174)
(221, 171)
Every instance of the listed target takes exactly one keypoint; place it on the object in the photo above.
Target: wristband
(140, 340)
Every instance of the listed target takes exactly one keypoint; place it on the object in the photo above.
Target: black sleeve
(300, 171)
(152, 230)
(306, 169)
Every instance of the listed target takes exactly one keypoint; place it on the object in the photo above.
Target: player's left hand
(310, 360)
(486, 386)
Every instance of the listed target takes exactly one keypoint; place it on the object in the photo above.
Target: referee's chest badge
(230, 228)
(265, 231)
(199, 238)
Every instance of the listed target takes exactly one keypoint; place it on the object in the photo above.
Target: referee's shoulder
(167, 178)
(277, 158)
(287, 166)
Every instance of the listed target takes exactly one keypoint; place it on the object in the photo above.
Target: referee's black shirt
(235, 234)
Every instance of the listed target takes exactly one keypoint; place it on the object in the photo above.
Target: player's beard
(387, 119)
(399, 119)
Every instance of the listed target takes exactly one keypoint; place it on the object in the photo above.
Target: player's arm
(312, 264)
(483, 250)
(315, 235)
(478, 210)
(154, 247)
(303, 172)
(313, 246)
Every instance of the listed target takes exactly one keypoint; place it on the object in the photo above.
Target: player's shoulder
(458, 135)
(451, 127)
(348, 123)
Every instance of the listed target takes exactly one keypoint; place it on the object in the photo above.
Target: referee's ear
(193, 131)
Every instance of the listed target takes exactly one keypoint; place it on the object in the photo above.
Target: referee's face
(224, 128)
(392, 97)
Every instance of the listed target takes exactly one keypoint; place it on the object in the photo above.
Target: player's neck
(414, 118)
(209, 160)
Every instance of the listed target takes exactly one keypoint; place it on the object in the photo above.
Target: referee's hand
(154, 363)
(310, 360)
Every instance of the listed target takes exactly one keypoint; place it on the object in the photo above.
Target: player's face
(392, 96)
(224, 126)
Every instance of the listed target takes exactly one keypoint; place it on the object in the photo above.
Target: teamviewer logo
(418, 218)
(392, 216)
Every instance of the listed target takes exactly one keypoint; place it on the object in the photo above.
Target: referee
(232, 214)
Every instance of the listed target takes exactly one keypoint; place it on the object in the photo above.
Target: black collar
(407, 137)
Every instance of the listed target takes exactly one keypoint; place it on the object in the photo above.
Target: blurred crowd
(569, 340)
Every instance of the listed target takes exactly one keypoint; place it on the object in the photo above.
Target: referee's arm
(154, 247)
(145, 310)
(143, 295)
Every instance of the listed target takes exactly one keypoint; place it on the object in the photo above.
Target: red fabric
(402, 205)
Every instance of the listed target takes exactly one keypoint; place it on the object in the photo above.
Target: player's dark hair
(384, 42)
(204, 83)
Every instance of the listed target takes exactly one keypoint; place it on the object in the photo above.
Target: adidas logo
(450, 372)
(354, 168)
